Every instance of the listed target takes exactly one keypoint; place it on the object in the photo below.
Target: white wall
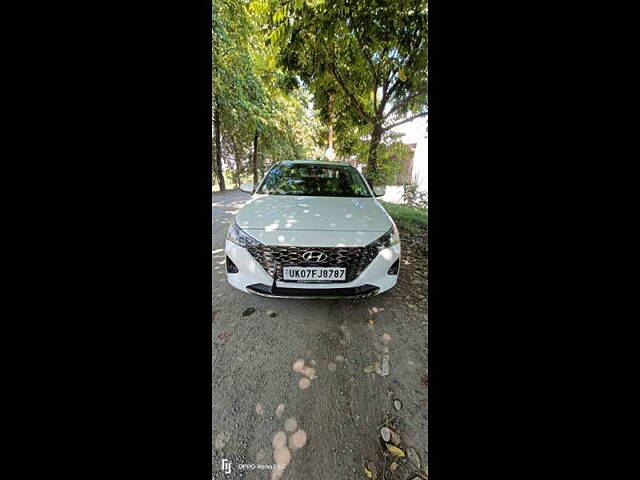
(421, 164)
(414, 132)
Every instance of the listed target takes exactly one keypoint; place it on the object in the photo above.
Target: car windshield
(314, 180)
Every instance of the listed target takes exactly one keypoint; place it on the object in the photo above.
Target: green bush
(412, 197)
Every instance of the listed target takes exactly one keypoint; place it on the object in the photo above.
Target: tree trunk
(236, 154)
(331, 122)
(220, 173)
(372, 161)
(255, 161)
(238, 165)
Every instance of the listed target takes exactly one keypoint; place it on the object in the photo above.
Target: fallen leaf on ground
(413, 457)
(393, 466)
(371, 368)
(395, 450)
(373, 469)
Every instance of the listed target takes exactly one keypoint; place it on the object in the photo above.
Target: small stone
(395, 438)
(384, 368)
(385, 433)
(413, 457)
(397, 404)
(271, 313)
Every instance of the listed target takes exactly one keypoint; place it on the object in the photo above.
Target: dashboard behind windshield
(314, 180)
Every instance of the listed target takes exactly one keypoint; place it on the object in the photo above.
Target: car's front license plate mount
(313, 274)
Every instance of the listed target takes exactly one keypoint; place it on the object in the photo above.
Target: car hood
(270, 213)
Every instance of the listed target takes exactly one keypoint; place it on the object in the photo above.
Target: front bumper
(326, 293)
(252, 278)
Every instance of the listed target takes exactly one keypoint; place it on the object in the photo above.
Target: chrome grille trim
(273, 258)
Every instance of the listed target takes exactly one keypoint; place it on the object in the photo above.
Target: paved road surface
(293, 386)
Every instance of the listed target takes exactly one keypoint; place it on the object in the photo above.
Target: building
(415, 136)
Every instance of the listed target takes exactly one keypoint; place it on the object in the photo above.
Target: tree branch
(374, 72)
(403, 63)
(403, 102)
(354, 101)
(375, 98)
(393, 125)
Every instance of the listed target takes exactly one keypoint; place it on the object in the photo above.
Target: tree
(258, 106)
(218, 149)
(238, 94)
(372, 53)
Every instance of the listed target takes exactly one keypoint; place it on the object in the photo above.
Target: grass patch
(407, 218)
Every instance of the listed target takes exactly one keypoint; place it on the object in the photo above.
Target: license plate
(314, 274)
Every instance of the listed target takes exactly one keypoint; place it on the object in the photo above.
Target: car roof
(313, 162)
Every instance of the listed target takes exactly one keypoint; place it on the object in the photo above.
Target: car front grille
(354, 259)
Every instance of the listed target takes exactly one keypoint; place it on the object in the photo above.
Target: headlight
(239, 237)
(387, 240)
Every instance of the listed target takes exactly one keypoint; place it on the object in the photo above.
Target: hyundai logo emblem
(314, 256)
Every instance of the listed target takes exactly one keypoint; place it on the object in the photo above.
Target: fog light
(393, 270)
(231, 267)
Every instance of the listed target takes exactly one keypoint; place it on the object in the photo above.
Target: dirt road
(291, 389)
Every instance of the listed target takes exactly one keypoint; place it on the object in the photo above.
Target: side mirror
(379, 191)
(247, 187)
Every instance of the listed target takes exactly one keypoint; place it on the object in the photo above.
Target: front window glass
(314, 180)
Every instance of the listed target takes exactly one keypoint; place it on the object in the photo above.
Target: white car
(313, 230)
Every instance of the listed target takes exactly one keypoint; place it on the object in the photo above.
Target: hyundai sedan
(313, 230)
